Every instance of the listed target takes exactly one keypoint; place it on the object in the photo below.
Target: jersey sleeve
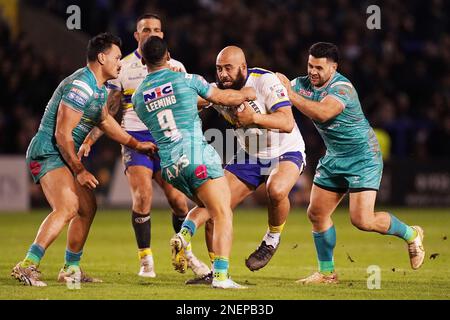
(342, 92)
(77, 95)
(199, 84)
(183, 68)
(275, 94)
(295, 85)
(177, 64)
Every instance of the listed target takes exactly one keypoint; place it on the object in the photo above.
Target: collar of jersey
(137, 54)
(95, 79)
(154, 72)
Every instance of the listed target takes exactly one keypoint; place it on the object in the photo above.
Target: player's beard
(237, 84)
(320, 81)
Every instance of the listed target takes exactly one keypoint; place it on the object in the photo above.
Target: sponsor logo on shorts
(174, 170)
(126, 155)
(201, 172)
(35, 168)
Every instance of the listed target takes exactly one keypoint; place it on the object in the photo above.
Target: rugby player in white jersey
(140, 169)
(272, 151)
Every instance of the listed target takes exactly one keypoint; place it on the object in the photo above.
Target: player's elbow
(289, 126)
(329, 113)
(60, 137)
(103, 125)
(322, 118)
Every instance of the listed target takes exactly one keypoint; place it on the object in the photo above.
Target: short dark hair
(100, 43)
(148, 16)
(325, 50)
(153, 50)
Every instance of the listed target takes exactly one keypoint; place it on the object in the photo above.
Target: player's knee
(220, 212)
(141, 201)
(69, 209)
(314, 215)
(178, 204)
(362, 223)
(89, 212)
(276, 194)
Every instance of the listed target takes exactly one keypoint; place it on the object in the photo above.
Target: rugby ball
(229, 113)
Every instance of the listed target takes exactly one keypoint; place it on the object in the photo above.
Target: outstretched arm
(230, 97)
(113, 105)
(113, 130)
(322, 111)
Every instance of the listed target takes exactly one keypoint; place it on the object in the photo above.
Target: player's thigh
(140, 181)
(239, 189)
(215, 195)
(282, 179)
(362, 204)
(60, 190)
(323, 202)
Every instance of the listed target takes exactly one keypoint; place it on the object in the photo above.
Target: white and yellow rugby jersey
(131, 76)
(271, 95)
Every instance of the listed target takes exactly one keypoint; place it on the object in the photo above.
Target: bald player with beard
(277, 162)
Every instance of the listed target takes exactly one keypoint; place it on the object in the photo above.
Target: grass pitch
(111, 255)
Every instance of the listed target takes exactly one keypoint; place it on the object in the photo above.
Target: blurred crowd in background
(401, 72)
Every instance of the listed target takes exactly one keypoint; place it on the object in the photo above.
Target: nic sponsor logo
(158, 92)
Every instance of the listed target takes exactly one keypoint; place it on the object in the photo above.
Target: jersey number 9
(167, 123)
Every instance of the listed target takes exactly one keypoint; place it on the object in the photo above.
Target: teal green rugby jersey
(80, 92)
(349, 133)
(166, 102)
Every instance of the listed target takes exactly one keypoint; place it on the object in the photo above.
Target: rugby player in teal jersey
(352, 162)
(77, 105)
(139, 169)
(166, 102)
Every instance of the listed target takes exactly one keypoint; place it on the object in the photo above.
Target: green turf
(110, 254)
